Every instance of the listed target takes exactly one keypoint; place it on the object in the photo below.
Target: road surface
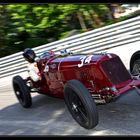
(49, 116)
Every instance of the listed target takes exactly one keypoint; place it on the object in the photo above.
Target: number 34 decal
(85, 59)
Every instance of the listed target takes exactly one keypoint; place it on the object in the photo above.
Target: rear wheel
(80, 104)
(22, 92)
(136, 67)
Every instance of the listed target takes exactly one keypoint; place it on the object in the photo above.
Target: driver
(33, 70)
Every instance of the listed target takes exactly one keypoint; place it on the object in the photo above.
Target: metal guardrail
(92, 41)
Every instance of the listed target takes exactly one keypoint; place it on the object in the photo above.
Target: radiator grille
(115, 70)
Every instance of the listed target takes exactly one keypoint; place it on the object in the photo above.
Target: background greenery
(30, 25)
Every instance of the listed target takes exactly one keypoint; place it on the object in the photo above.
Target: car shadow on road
(50, 116)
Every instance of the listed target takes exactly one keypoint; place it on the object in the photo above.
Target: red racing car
(83, 80)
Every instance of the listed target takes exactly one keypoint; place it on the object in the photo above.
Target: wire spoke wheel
(136, 68)
(22, 91)
(78, 108)
(80, 104)
(19, 94)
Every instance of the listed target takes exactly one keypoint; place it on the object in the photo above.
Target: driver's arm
(34, 72)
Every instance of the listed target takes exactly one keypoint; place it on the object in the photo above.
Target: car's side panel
(84, 68)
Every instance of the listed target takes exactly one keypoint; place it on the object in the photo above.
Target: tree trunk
(97, 21)
(81, 21)
(114, 9)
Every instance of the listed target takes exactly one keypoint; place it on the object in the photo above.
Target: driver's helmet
(29, 55)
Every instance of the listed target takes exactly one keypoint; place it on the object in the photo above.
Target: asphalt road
(49, 116)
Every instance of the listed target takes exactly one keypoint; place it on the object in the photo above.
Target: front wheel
(22, 91)
(80, 104)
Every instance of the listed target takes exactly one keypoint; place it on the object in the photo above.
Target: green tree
(30, 25)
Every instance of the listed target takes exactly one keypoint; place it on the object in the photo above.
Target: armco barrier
(96, 40)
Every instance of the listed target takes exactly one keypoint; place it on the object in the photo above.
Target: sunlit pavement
(49, 116)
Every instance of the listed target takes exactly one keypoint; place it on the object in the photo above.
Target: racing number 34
(85, 59)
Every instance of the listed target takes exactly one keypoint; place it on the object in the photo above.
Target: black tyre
(22, 92)
(80, 104)
(136, 67)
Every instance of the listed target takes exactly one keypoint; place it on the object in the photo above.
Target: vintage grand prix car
(83, 80)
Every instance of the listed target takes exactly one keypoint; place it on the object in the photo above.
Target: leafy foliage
(31, 25)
